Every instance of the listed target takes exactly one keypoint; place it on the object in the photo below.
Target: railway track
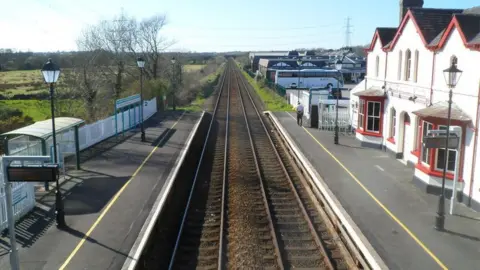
(250, 206)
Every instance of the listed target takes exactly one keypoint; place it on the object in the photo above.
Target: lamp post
(173, 81)
(141, 65)
(299, 63)
(51, 72)
(338, 67)
(452, 75)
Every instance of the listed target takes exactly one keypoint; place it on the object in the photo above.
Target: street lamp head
(338, 65)
(140, 62)
(50, 71)
(173, 60)
(452, 75)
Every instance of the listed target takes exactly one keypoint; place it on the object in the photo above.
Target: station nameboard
(45, 173)
(440, 142)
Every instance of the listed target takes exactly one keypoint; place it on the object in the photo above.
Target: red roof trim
(408, 16)
(374, 40)
(454, 24)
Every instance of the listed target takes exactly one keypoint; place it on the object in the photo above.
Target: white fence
(326, 118)
(24, 193)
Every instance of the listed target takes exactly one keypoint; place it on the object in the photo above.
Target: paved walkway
(396, 217)
(102, 225)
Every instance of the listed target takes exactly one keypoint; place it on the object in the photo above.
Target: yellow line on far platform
(389, 213)
(115, 198)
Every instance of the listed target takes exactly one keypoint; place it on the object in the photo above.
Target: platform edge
(147, 228)
(372, 257)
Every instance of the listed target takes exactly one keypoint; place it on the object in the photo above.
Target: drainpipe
(433, 77)
(384, 111)
(474, 158)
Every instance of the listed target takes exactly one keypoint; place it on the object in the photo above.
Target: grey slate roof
(470, 24)
(433, 21)
(386, 34)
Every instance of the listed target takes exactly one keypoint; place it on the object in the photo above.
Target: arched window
(415, 68)
(393, 122)
(399, 74)
(377, 66)
(408, 64)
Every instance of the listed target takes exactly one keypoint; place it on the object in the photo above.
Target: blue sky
(207, 25)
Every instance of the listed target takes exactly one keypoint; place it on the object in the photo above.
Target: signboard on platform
(441, 142)
(45, 173)
(125, 102)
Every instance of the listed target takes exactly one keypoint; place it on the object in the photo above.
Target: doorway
(407, 142)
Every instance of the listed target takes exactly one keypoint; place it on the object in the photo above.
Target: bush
(6, 113)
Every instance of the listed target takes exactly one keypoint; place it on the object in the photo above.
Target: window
(377, 66)
(408, 64)
(399, 74)
(393, 122)
(361, 114)
(451, 155)
(415, 68)
(373, 116)
(426, 151)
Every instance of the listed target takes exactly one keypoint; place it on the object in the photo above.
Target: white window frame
(377, 66)
(415, 67)
(408, 65)
(399, 74)
(393, 122)
(361, 114)
(373, 116)
(423, 148)
(448, 153)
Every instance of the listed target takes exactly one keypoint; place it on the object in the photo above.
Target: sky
(208, 25)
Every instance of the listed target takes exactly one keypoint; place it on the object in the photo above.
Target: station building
(404, 94)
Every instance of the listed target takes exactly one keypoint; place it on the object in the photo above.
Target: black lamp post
(452, 75)
(173, 82)
(299, 63)
(338, 66)
(141, 65)
(51, 72)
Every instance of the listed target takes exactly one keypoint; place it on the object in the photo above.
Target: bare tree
(148, 42)
(83, 79)
(114, 38)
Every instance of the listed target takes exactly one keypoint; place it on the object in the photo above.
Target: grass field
(190, 68)
(273, 102)
(40, 109)
(21, 77)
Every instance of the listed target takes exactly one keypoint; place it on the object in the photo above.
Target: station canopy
(43, 129)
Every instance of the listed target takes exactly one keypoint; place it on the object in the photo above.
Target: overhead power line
(265, 29)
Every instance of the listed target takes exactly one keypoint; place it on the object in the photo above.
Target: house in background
(404, 94)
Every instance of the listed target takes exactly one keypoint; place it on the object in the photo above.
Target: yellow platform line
(115, 198)
(377, 201)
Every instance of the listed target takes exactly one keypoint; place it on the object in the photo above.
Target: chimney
(405, 4)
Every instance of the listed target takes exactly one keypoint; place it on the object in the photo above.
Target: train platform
(106, 202)
(378, 193)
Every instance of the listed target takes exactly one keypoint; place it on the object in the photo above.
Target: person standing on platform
(299, 114)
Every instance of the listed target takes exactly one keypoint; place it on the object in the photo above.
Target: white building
(405, 94)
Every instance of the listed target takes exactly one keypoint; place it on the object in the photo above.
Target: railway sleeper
(289, 228)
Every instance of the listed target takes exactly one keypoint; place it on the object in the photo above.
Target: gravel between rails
(250, 243)
(199, 242)
(295, 238)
